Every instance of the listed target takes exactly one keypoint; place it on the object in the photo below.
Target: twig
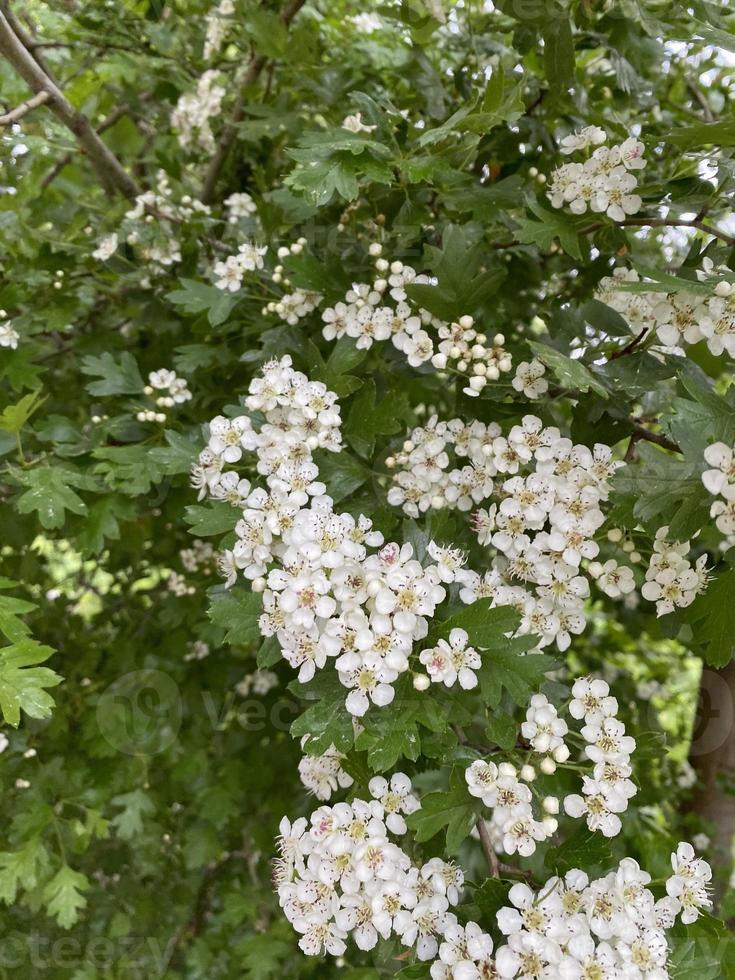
(641, 433)
(487, 848)
(629, 348)
(15, 114)
(107, 123)
(227, 136)
(108, 168)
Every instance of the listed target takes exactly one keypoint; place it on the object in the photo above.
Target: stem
(15, 114)
(227, 136)
(109, 169)
(487, 848)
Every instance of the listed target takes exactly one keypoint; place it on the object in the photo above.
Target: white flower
(453, 661)
(9, 337)
(395, 798)
(354, 124)
(529, 379)
(106, 247)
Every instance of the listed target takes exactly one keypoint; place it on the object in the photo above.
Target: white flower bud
(477, 383)
(550, 804)
(614, 535)
(375, 248)
(466, 322)
(723, 289)
(382, 265)
(528, 773)
(561, 753)
(421, 682)
(258, 584)
(439, 361)
(548, 766)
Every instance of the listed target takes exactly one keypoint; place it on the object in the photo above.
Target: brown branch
(107, 123)
(629, 348)
(227, 136)
(641, 433)
(108, 168)
(487, 848)
(25, 38)
(15, 114)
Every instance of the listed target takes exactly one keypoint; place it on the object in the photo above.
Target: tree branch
(15, 114)
(487, 848)
(227, 136)
(107, 166)
(641, 433)
(107, 123)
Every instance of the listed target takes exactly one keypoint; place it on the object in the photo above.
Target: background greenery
(143, 839)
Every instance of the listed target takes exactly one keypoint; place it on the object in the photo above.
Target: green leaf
(583, 849)
(50, 494)
(704, 134)
(22, 684)
(134, 807)
(14, 417)
(570, 372)
(198, 297)
(712, 615)
(118, 377)
(21, 868)
(451, 809)
(558, 53)
(217, 517)
(327, 721)
(503, 731)
(661, 489)
(102, 523)
(237, 612)
(368, 418)
(63, 896)
(550, 226)
(342, 473)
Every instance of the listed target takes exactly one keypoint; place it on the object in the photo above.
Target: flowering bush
(369, 499)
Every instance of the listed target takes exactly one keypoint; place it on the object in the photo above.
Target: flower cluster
(507, 792)
(260, 682)
(677, 318)
(292, 307)
(217, 23)
(323, 595)
(671, 581)
(9, 336)
(608, 928)
(194, 110)
(341, 875)
(239, 206)
(607, 792)
(199, 557)
(379, 311)
(153, 224)
(605, 182)
(173, 391)
(720, 482)
(323, 774)
(230, 273)
(547, 495)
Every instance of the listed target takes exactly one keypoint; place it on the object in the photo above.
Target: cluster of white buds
(324, 596)
(611, 928)
(323, 774)
(239, 206)
(605, 182)
(720, 482)
(379, 311)
(547, 507)
(677, 318)
(671, 581)
(153, 224)
(199, 557)
(506, 791)
(230, 273)
(260, 682)
(192, 115)
(216, 25)
(177, 584)
(9, 336)
(341, 875)
(466, 351)
(175, 388)
(198, 650)
(608, 791)
(292, 307)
